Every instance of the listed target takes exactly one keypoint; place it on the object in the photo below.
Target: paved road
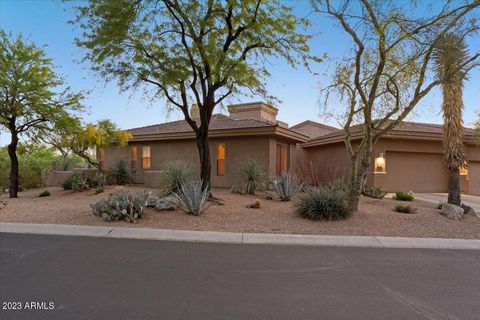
(97, 278)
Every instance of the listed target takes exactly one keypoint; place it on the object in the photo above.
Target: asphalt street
(60, 277)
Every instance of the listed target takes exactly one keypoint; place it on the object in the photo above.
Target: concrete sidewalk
(240, 238)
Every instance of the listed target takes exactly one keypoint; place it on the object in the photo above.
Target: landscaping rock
(268, 197)
(3, 203)
(452, 211)
(166, 204)
(469, 210)
(152, 201)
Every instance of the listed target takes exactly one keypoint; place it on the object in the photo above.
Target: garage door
(417, 172)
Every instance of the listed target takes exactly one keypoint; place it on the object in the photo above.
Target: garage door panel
(418, 172)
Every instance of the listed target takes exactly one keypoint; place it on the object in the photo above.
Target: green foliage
(81, 182)
(440, 205)
(173, 175)
(98, 190)
(252, 174)
(44, 193)
(121, 205)
(404, 196)
(119, 174)
(373, 192)
(323, 203)
(192, 197)
(404, 208)
(287, 185)
(337, 185)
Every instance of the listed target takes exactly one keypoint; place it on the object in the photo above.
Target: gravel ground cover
(374, 218)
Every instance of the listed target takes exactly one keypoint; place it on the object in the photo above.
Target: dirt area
(375, 217)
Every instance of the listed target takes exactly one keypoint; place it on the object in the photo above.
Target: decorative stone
(3, 203)
(166, 204)
(469, 210)
(452, 211)
(268, 196)
(152, 201)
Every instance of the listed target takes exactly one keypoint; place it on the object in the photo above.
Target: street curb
(239, 238)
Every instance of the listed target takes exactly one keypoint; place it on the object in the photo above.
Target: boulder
(452, 211)
(166, 204)
(469, 210)
(152, 201)
(3, 204)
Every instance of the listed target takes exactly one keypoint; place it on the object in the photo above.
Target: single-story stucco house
(409, 158)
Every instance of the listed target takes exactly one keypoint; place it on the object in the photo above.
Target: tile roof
(218, 122)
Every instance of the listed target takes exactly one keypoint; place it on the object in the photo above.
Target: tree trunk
(204, 153)
(356, 178)
(12, 153)
(454, 187)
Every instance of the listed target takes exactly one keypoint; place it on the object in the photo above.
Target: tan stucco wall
(331, 161)
(237, 150)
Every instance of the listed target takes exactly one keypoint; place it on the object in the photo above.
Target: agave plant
(191, 197)
(287, 185)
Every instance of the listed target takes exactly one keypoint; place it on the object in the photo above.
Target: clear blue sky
(45, 23)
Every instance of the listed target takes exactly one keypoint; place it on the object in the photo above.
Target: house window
(133, 158)
(146, 157)
(283, 156)
(221, 160)
(101, 158)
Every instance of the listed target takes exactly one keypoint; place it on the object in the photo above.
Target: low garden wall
(56, 178)
(151, 179)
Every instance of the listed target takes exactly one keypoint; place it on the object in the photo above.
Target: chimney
(194, 113)
(253, 110)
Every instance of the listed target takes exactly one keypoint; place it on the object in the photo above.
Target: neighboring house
(407, 158)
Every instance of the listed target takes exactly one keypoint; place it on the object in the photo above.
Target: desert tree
(388, 70)
(32, 96)
(450, 64)
(191, 52)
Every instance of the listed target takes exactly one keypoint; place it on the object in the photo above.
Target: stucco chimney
(253, 110)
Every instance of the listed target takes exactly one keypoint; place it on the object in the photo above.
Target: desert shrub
(191, 197)
(252, 175)
(286, 186)
(323, 203)
(80, 182)
(440, 205)
(44, 193)
(98, 190)
(373, 192)
(404, 208)
(337, 185)
(173, 175)
(119, 174)
(121, 205)
(404, 196)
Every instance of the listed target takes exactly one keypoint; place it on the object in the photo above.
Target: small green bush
(191, 197)
(287, 185)
(373, 192)
(404, 208)
(440, 205)
(119, 174)
(44, 193)
(173, 175)
(98, 190)
(404, 196)
(80, 182)
(121, 205)
(323, 204)
(252, 175)
(337, 185)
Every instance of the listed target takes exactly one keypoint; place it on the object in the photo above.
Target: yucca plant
(119, 174)
(323, 203)
(191, 197)
(252, 175)
(173, 175)
(287, 185)
(450, 57)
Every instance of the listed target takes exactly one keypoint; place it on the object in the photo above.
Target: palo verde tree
(191, 52)
(387, 72)
(450, 57)
(31, 95)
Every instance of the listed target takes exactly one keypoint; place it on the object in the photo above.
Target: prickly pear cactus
(121, 205)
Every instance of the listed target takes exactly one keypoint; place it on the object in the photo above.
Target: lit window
(146, 157)
(133, 158)
(221, 160)
(282, 158)
(101, 158)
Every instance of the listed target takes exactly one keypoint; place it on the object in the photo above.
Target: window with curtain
(221, 160)
(133, 158)
(146, 157)
(283, 156)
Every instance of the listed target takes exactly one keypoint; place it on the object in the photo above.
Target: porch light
(380, 163)
(463, 171)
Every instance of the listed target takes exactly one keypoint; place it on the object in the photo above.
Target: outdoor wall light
(463, 171)
(380, 163)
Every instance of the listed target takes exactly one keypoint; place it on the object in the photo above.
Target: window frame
(144, 158)
(221, 161)
(282, 158)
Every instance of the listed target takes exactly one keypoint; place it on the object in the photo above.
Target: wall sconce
(380, 163)
(463, 171)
